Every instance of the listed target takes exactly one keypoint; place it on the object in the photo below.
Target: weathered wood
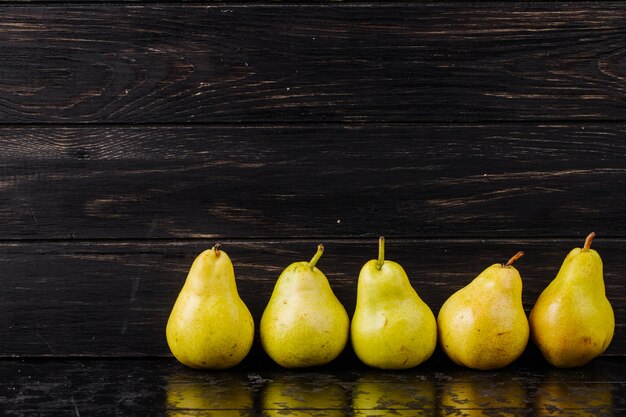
(356, 62)
(510, 180)
(99, 298)
(143, 387)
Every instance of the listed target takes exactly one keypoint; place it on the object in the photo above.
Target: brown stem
(588, 241)
(514, 258)
(216, 248)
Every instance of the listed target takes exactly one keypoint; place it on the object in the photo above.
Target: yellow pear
(392, 328)
(210, 326)
(304, 324)
(483, 325)
(572, 321)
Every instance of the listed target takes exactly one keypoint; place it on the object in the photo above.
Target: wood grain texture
(158, 387)
(426, 61)
(510, 180)
(133, 135)
(113, 298)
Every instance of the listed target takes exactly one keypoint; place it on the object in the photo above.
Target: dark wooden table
(134, 135)
(161, 386)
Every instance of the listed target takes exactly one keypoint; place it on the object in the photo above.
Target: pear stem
(514, 258)
(588, 241)
(216, 248)
(317, 256)
(381, 253)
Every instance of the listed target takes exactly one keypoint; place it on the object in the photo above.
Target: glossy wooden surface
(162, 387)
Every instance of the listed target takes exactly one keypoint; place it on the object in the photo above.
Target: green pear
(210, 326)
(392, 328)
(304, 324)
(483, 325)
(572, 321)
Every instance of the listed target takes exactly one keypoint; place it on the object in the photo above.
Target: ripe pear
(304, 324)
(483, 325)
(572, 321)
(392, 328)
(210, 326)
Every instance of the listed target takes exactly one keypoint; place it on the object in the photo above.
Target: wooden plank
(142, 387)
(510, 180)
(99, 298)
(423, 61)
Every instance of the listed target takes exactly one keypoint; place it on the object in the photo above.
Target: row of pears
(482, 326)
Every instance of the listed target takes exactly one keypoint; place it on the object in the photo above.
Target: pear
(392, 328)
(210, 326)
(572, 321)
(483, 325)
(304, 324)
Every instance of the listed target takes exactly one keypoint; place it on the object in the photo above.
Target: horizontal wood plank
(113, 298)
(161, 387)
(423, 61)
(509, 180)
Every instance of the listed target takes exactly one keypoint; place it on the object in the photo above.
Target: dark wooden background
(135, 135)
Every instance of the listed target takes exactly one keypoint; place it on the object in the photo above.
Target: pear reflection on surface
(574, 399)
(222, 395)
(393, 394)
(483, 395)
(303, 395)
